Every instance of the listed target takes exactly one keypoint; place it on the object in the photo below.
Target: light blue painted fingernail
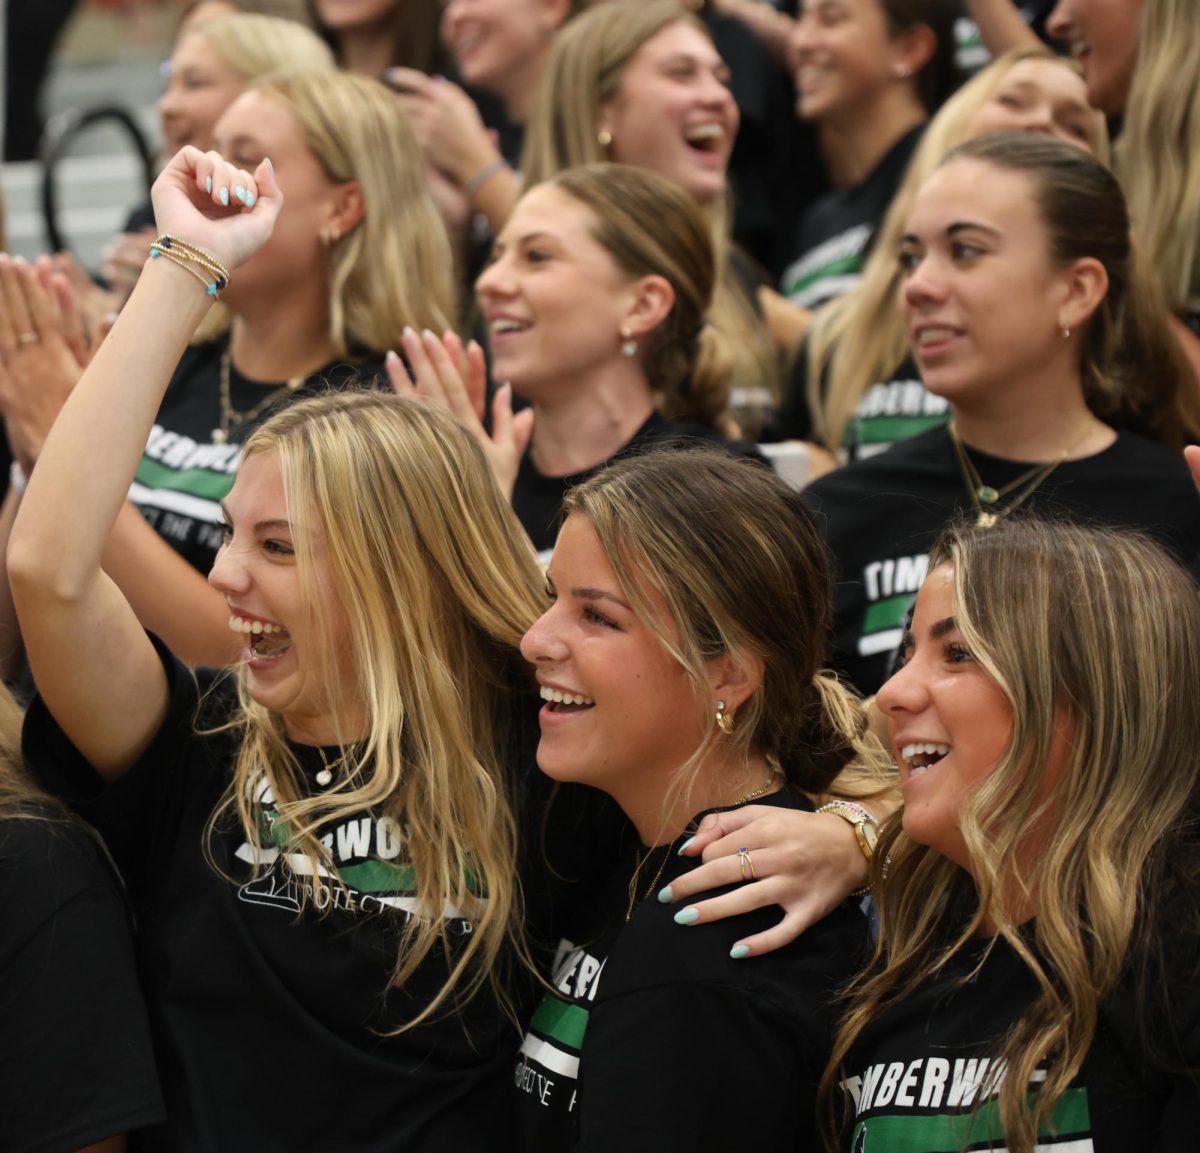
(223, 197)
(665, 895)
(739, 951)
(679, 851)
(240, 193)
(688, 916)
(250, 199)
(208, 184)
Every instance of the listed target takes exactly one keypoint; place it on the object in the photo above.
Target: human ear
(912, 49)
(1085, 285)
(735, 677)
(346, 210)
(554, 14)
(651, 301)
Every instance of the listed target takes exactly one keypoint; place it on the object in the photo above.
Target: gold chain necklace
(985, 495)
(231, 418)
(324, 776)
(634, 900)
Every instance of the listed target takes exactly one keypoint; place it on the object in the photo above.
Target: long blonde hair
(583, 73)
(1101, 629)
(20, 796)
(858, 339)
(254, 45)
(394, 269)
(742, 568)
(437, 586)
(1158, 151)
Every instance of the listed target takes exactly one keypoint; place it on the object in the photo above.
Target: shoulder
(919, 463)
(655, 951)
(45, 864)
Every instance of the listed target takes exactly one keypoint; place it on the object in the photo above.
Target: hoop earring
(604, 138)
(724, 719)
(628, 344)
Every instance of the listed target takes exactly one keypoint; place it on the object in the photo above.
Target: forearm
(1001, 25)
(496, 197)
(772, 27)
(169, 596)
(88, 461)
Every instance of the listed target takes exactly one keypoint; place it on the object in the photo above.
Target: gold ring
(29, 338)
(747, 864)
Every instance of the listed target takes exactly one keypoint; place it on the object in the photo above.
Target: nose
(1038, 118)
(451, 14)
(228, 574)
(496, 279)
(169, 102)
(903, 693)
(922, 284)
(800, 38)
(543, 643)
(1059, 24)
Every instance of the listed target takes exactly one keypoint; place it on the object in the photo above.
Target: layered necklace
(232, 418)
(634, 899)
(985, 498)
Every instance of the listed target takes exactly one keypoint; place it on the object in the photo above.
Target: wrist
(482, 176)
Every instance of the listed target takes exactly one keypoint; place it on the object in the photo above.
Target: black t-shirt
(891, 410)
(658, 1039)
(76, 1060)
(271, 1022)
(185, 472)
(537, 499)
(919, 1073)
(836, 234)
(881, 517)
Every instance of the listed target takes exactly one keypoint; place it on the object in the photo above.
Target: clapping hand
(441, 371)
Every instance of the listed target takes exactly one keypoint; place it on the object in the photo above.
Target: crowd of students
(433, 724)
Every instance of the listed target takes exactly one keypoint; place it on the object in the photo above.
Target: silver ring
(29, 338)
(747, 865)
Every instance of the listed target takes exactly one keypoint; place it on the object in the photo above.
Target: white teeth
(917, 756)
(502, 325)
(705, 132)
(242, 625)
(560, 698)
(931, 335)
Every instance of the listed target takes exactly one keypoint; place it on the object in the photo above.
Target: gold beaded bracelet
(195, 260)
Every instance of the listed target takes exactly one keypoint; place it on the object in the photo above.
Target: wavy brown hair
(742, 568)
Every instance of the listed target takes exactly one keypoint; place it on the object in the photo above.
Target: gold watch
(866, 827)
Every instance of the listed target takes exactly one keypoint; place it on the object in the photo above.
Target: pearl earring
(628, 344)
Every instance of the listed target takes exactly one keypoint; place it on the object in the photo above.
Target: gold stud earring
(604, 138)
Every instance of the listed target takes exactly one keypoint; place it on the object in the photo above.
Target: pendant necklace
(232, 418)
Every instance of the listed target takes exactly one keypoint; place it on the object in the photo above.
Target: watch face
(869, 834)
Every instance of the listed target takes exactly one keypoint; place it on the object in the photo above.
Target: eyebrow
(259, 526)
(591, 594)
(970, 226)
(942, 627)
